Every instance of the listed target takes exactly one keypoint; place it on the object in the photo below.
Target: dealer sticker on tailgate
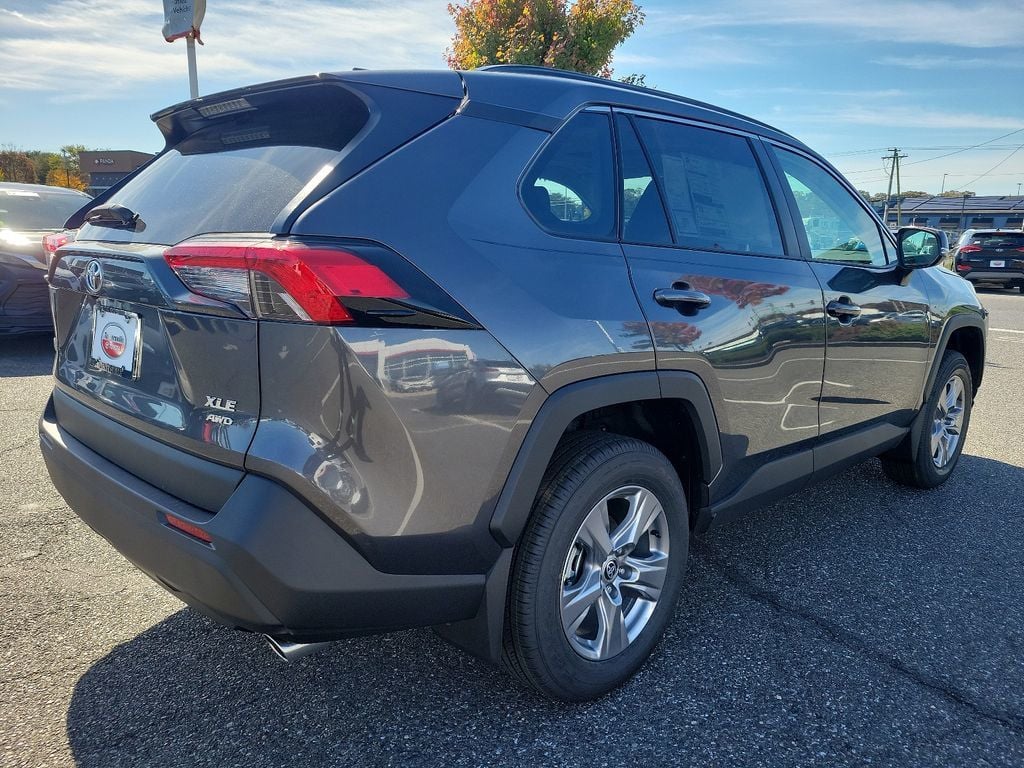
(115, 341)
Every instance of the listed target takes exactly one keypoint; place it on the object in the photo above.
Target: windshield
(26, 210)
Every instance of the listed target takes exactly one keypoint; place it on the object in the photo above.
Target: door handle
(843, 309)
(682, 298)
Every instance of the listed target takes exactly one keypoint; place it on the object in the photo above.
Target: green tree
(552, 33)
(65, 170)
(43, 162)
(17, 166)
(956, 193)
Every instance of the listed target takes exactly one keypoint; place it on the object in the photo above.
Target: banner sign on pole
(182, 18)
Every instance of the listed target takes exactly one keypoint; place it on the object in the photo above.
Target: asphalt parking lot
(854, 623)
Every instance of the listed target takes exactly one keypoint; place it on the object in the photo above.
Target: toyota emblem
(94, 276)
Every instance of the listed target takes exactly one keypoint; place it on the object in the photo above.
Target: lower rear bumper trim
(274, 566)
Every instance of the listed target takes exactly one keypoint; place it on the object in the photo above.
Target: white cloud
(893, 117)
(707, 52)
(935, 63)
(982, 24)
(97, 46)
(786, 90)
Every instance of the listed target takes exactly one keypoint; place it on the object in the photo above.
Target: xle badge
(220, 404)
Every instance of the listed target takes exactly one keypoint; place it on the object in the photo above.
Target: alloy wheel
(614, 572)
(948, 422)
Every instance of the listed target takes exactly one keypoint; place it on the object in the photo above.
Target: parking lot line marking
(1004, 330)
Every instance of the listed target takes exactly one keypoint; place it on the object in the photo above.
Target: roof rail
(532, 69)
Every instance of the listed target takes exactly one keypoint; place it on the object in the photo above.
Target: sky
(850, 79)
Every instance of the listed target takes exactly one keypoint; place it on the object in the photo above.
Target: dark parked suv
(993, 256)
(481, 351)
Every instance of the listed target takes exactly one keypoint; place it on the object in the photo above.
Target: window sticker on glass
(677, 189)
(714, 190)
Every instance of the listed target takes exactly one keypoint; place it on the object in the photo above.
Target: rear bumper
(995, 276)
(274, 566)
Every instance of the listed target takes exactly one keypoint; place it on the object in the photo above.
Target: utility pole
(944, 184)
(894, 171)
(899, 196)
(888, 191)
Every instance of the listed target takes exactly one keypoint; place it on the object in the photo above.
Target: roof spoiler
(179, 120)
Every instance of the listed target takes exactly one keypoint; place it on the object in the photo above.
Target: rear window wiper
(117, 216)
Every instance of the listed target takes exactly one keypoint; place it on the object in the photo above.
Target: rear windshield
(26, 210)
(998, 239)
(236, 171)
(241, 190)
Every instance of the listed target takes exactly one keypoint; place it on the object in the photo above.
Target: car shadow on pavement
(856, 621)
(26, 355)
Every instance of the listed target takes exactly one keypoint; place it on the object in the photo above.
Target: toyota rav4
(482, 351)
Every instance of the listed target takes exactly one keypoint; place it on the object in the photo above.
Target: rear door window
(643, 214)
(714, 190)
(570, 189)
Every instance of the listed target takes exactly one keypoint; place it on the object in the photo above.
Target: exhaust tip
(289, 651)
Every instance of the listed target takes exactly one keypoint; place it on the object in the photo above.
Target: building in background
(104, 169)
(955, 214)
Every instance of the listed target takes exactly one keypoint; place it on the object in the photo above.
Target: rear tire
(946, 415)
(598, 571)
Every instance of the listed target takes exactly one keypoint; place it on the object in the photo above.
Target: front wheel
(597, 574)
(946, 415)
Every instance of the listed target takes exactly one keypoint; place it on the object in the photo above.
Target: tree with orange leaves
(552, 33)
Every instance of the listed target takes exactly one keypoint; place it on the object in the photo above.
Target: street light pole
(193, 77)
(944, 183)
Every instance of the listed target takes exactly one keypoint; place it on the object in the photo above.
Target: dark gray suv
(481, 351)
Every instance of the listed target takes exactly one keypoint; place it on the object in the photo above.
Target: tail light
(52, 242)
(970, 249)
(963, 268)
(311, 281)
(1020, 250)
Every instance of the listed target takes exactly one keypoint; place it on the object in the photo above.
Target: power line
(986, 173)
(940, 148)
(975, 146)
(948, 154)
(889, 172)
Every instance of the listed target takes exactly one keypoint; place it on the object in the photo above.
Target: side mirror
(919, 247)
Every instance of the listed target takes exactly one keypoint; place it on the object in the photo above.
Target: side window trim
(884, 235)
(791, 244)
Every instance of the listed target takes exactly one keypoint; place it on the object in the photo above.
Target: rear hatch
(993, 252)
(136, 348)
